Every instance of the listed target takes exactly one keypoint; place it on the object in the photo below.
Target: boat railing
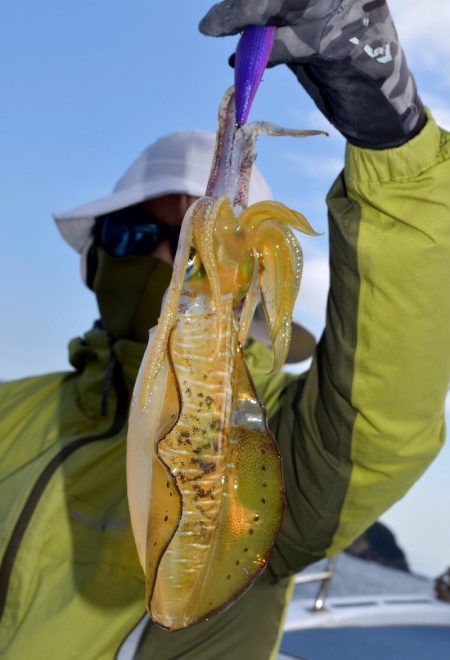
(325, 578)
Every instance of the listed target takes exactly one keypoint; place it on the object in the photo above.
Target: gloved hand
(347, 56)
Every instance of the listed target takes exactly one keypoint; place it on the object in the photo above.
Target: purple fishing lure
(252, 54)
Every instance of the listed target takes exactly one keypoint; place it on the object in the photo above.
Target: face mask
(129, 293)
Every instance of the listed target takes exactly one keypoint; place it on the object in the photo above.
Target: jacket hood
(93, 356)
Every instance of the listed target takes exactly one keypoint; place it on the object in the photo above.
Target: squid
(204, 477)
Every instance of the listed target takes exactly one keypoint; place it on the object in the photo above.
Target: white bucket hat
(176, 163)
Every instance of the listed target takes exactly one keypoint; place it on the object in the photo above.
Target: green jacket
(354, 434)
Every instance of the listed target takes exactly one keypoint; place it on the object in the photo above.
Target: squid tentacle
(204, 231)
(279, 281)
(250, 303)
(256, 214)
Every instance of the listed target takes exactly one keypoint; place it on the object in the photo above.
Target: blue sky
(86, 86)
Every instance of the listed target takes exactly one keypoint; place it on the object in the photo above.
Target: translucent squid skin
(204, 475)
(228, 475)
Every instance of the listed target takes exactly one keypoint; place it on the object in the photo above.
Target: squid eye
(194, 264)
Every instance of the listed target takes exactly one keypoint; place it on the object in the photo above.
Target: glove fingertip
(217, 23)
(216, 31)
(227, 18)
(206, 28)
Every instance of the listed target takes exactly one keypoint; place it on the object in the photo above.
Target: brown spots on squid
(201, 492)
(184, 438)
(206, 446)
(206, 468)
(216, 425)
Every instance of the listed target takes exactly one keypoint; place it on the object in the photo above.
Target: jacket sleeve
(369, 418)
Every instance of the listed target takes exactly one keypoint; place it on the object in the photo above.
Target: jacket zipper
(21, 525)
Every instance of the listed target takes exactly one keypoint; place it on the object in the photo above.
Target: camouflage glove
(346, 55)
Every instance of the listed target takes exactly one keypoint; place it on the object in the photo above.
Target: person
(354, 433)
(442, 586)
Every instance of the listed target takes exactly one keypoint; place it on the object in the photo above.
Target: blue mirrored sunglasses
(133, 232)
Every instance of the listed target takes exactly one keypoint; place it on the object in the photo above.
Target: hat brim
(302, 345)
(76, 225)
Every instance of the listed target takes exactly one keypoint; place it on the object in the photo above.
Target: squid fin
(146, 425)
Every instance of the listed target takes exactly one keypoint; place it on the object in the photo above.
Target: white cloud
(314, 289)
(423, 26)
(439, 107)
(316, 166)
(447, 404)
